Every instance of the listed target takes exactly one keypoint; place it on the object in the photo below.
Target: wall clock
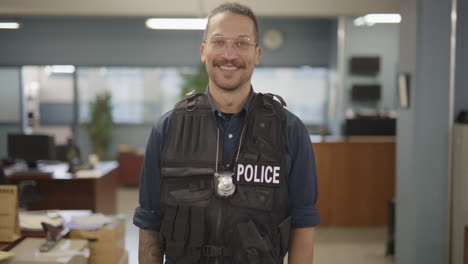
(273, 39)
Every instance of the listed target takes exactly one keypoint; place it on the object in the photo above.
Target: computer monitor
(365, 93)
(364, 65)
(31, 148)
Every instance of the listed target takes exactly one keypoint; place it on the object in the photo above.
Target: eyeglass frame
(231, 39)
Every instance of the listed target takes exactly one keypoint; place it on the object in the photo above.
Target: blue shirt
(302, 179)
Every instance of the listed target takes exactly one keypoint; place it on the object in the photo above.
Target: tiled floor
(332, 245)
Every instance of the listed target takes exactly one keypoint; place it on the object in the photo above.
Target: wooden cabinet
(466, 246)
(356, 182)
(130, 165)
(459, 195)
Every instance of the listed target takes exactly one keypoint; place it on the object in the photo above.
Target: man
(228, 177)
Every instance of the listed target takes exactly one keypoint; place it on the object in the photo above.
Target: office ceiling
(193, 8)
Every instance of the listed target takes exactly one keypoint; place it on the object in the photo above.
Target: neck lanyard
(238, 149)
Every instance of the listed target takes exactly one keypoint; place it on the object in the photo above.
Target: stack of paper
(88, 222)
(32, 221)
(6, 254)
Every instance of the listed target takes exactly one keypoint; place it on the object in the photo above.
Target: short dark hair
(235, 8)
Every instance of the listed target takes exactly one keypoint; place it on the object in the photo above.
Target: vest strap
(167, 224)
(197, 226)
(191, 104)
(181, 224)
(272, 96)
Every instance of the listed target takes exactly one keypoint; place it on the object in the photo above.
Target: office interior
(110, 49)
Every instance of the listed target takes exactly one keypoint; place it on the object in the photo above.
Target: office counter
(356, 177)
(130, 165)
(465, 254)
(57, 189)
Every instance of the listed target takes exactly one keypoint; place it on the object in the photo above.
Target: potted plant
(197, 81)
(98, 128)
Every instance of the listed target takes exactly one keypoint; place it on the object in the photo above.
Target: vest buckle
(212, 251)
(190, 94)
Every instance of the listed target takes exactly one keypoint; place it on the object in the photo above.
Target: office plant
(99, 126)
(197, 81)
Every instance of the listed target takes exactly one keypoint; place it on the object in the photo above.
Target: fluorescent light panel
(371, 19)
(177, 23)
(60, 69)
(9, 25)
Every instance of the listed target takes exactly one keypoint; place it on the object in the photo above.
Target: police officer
(229, 176)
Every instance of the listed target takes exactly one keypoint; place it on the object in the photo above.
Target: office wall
(10, 105)
(422, 134)
(306, 42)
(378, 40)
(461, 80)
(126, 41)
(10, 94)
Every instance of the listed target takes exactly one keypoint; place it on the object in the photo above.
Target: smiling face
(230, 68)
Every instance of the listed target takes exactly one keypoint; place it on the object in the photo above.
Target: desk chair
(61, 152)
(27, 195)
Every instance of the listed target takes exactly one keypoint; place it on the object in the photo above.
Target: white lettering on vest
(255, 177)
(268, 178)
(276, 174)
(258, 173)
(248, 173)
(240, 171)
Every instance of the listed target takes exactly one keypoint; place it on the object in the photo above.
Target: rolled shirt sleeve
(303, 190)
(147, 214)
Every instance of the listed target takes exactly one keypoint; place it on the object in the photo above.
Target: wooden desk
(356, 180)
(65, 191)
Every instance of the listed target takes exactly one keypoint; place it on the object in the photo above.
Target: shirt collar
(245, 108)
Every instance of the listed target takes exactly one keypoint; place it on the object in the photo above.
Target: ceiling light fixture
(371, 19)
(9, 25)
(60, 69)
(177, 23)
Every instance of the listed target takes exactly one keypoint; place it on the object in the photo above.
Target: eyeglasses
(241, 44)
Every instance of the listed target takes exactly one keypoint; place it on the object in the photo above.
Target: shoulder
(161, 126)
(296, 132)
(158, 133)
(293, 123)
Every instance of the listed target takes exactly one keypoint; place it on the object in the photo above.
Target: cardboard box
(67, 251)
(107, 244)
(124, 258)
(9, 224)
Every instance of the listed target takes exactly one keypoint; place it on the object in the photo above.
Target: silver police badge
(224, 184)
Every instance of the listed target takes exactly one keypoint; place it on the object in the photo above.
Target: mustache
(237, 63)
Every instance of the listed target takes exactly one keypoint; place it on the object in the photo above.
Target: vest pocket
(283, 235)
(250, 247)
(182, 234)
(253, 196)
(195, 191)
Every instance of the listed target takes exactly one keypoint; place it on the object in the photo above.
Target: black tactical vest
(250, 227)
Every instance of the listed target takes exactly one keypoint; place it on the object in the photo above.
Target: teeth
(228, 68)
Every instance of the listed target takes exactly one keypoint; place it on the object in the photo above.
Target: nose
(229, 51)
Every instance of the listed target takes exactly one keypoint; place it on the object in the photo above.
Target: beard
(224, 81)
